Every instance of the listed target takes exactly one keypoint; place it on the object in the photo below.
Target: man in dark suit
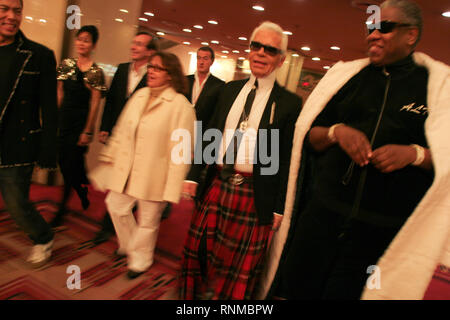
(242, 200)
(27, 99)
(129, 77)
(204, 88)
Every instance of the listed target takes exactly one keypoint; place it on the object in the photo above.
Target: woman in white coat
(143, 162)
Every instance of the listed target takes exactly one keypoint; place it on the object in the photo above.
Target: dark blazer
(117, 96)
(30, 97)
(269, 190)
(206, 102)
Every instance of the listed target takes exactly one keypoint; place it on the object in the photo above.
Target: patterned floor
(103, 275)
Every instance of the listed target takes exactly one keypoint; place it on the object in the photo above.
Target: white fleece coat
(408, 264)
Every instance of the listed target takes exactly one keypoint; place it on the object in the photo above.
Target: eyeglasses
(386, 26)
(272, 51)
(156, 68)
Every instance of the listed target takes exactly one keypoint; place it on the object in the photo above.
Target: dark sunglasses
(272, 51)
(156, 68)
(386, 26)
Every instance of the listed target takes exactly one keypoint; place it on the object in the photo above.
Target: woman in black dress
(80, 87)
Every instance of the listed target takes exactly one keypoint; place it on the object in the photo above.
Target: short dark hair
(174, 69)
(92, 30)
(209, 50)
(153, 43)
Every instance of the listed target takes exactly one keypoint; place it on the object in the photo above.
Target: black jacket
(269, 190)
(118, 96)
(206, 102)
(30, 98)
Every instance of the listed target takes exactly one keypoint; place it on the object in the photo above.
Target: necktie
(228, 168)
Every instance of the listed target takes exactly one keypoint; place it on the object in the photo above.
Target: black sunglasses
(386, 26)
(272, 51)
(156, 68)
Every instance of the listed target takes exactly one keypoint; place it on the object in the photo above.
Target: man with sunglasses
(239, 204)
(368, 155)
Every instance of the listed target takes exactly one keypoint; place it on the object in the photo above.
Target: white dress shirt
(245, 156)
(135, 77)
(197, 87)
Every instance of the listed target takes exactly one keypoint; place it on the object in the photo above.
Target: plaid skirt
(235, 245)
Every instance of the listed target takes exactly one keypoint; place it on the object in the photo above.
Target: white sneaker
(40, 254)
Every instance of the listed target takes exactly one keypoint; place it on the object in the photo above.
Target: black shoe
(165, 214)
(134, 274)
(101, 236)
(84, 198)
(57, 220)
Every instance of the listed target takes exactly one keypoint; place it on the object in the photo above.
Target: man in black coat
(204, 88)
(27, 99)
(241, 198)
(129, 77)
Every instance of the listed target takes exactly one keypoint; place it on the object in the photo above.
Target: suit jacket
(269, 190)
(206, 102)
(30, 98)
(118, 96)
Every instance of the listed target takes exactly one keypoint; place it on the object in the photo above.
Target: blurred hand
(392, 157)
(84, 140)
(103, 136)
(277, 219)
(189, 190)
(354, 143)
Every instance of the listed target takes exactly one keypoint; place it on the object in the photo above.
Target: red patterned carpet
(102, 274)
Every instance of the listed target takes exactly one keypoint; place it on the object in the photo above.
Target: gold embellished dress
(73, 114)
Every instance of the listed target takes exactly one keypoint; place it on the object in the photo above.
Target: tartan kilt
(235, 245)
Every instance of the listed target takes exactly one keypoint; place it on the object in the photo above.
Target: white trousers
(136, 239)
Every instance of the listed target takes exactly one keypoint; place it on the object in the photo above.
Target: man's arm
(108, 109)
(49, 110)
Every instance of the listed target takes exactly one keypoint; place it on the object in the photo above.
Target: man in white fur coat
(377, 131)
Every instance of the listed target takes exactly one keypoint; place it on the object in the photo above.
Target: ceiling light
(288, 33)
(215, 42)
(335, 48)
(243, 38)
(119, 20)
(224, 57)
(296, 55)
(248, 50)
(187, 30)
(43, 20)
(258, 8)
(306, 48)
(326, 67)
(149, 14)
(29, 18)
(225, 51)
(123, 10)
(446, 14)
(160, 33)
(241, 58)
(186, 43)
(143, 19)
(235, 51)
(198, 26)
(316, 59)
(205, 43)
(213, 22)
